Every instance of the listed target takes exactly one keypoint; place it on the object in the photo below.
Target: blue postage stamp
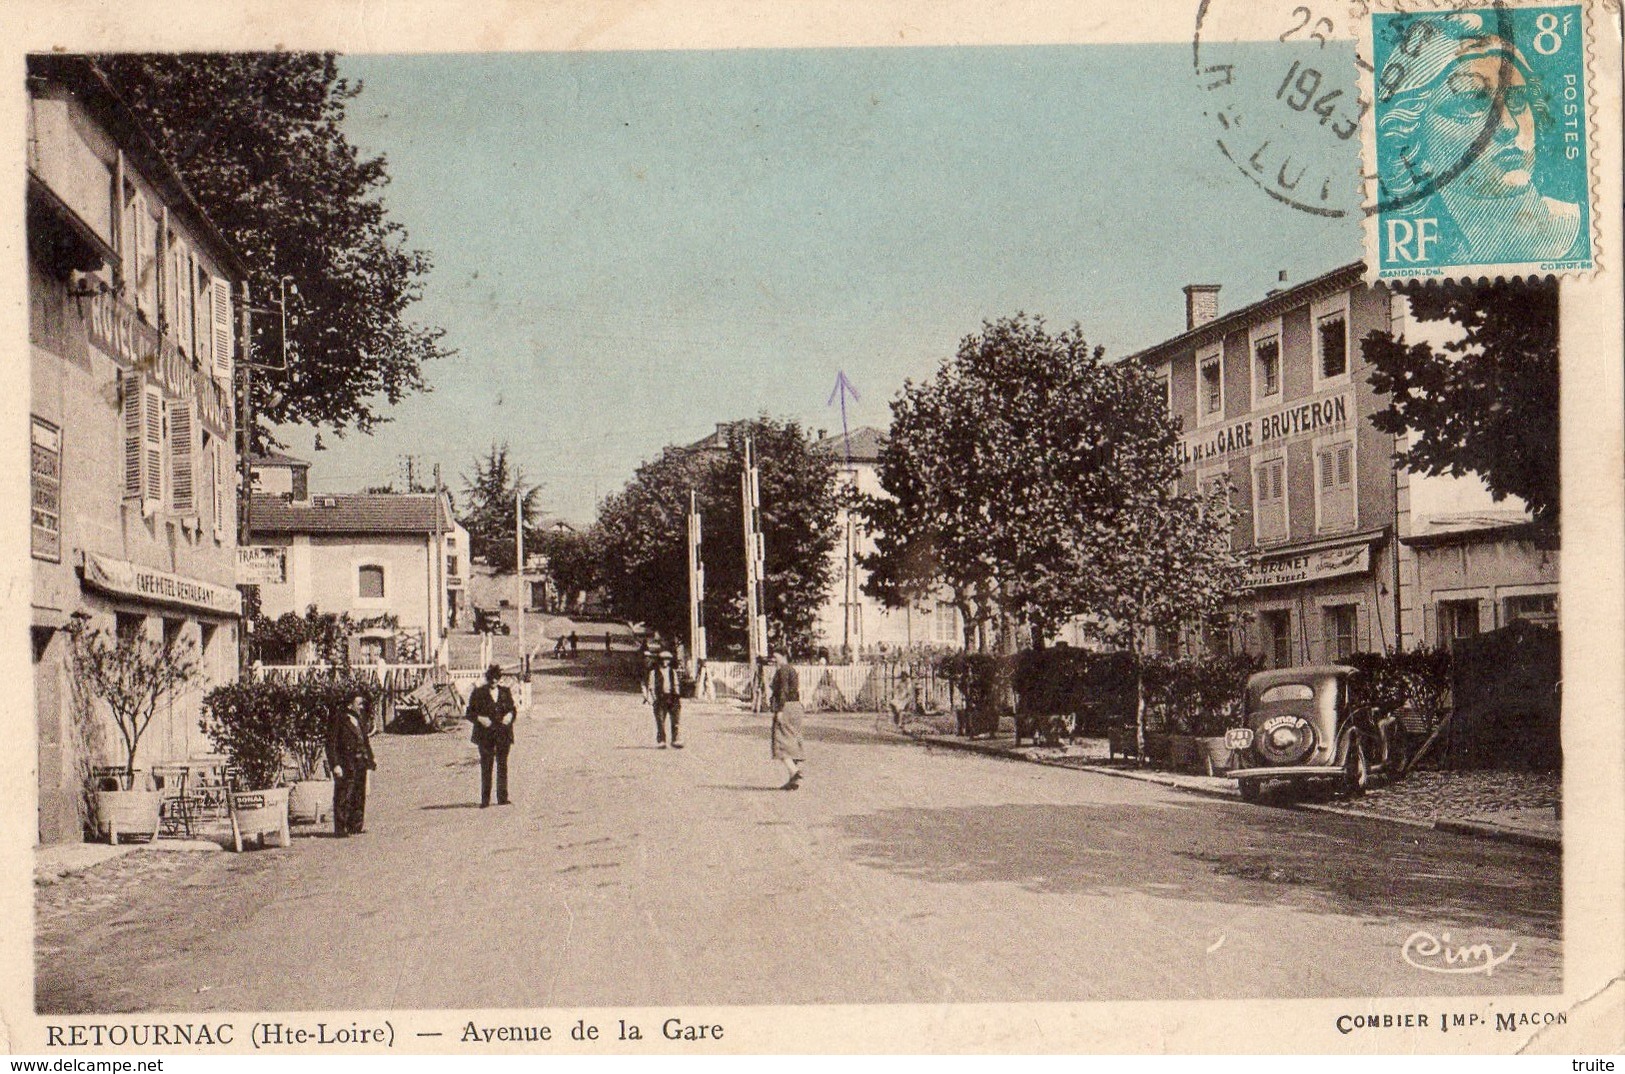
(1478, 145)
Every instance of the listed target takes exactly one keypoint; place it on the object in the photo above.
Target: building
(397, 563)
(275, 474)
(132, 349)
(1276, 397)
(851, 620)
(1479, 572)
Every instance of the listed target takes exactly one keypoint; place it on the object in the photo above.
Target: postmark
(1277, 82)
(1476, 139)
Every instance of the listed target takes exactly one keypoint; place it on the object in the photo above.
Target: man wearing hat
(492, 711)
(666, 692)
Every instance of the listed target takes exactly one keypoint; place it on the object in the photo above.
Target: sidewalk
(1512, 806)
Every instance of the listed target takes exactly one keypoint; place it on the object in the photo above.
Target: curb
(1476, 829)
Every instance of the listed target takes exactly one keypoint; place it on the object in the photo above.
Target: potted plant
(247, 721)
(132, 675)
(312, 704)
(1217, 688)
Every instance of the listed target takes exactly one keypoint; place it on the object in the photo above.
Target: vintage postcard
(547, 526)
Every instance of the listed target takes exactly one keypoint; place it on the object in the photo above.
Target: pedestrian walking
(666, 692)
(575, 643)
(606, 641)
(491, 710)
(349, 758)
(785, 698)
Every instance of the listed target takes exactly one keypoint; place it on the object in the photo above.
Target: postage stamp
(1478, 152)
(1477, 148)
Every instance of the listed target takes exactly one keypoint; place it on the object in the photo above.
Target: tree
(642, 536)
(132, 674)
(1486, 403)
(572, 563)
(1041, 482)
(492, 500)
(259, 140)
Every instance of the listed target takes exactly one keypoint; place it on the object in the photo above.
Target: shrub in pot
(131, 674)
(313, 703)
(248, 722)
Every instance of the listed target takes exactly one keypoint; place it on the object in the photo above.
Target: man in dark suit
(349, 758)
(665, 687)
(491, 710)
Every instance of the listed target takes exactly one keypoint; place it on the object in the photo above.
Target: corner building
(1276, 397)
(132, 475)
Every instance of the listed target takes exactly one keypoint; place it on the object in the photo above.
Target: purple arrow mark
(843, 388)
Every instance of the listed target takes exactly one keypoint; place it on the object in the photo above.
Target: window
(1457, 619)
(370, 582)
(128, 625)
(1334, 479)
(172, 632)
(1340, 622)
(1269, 499)
(1210, 389)
(45, 490)
(451, 565)
(1292, 691)
(1276, 628)
(1266, 366)
(1331, 339)
(1538, 608)
(946, 624)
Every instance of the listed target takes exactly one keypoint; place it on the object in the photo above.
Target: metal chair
(176, 809)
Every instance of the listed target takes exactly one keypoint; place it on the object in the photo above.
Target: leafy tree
(132, 674)
(642, 536)
(1486, 403)
(259, 139)
(1041, 482)
(492, 495)
(572, 563)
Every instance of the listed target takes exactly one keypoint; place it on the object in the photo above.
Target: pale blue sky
(631, 247)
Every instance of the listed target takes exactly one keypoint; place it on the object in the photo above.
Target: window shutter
(183, 454)
(134, 457)
(145, 261)
(152, 447)
(186, 277)
(220, 489)
(129, 244)
(222, 330)
(203, 320)
(1345, 465)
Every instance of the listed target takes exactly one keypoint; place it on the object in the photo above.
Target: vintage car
(1308, 723)
(489, 621)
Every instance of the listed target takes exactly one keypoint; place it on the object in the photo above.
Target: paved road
(625, 875)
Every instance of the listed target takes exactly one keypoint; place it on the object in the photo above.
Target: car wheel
(1356, 772)
(1251, 790)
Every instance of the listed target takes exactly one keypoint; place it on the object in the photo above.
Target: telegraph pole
(437, 576)
(696, 588)
(756, 619)
(519, 574)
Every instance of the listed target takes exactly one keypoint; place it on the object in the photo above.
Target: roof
(1272, 305)
(862, 444)
(1474, 526)
(350, 513)
(1263, 680)
(275, 458)
(80, 75)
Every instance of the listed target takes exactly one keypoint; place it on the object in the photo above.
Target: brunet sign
(1311, 566)
(1265, 429)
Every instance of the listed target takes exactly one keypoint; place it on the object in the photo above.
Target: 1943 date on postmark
(1478, 153)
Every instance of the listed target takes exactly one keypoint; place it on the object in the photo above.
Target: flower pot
(127, 813)
(1216, 756)
(260, 813)
(310, 800)
(1183, 755)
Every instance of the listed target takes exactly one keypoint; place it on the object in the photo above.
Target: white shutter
(134, 457)
(186, 306)
(183, 454)
(222, 330)
(203, 321)
(146, 262)
(129, 244)
(152, 448)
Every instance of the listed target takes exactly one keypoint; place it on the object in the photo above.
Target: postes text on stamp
(1477, 140)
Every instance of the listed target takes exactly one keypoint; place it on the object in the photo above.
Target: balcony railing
(116, 327)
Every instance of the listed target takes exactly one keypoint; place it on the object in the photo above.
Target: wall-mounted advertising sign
(258, 565)
(1265, 430)
(122, 578)
(1311, 566)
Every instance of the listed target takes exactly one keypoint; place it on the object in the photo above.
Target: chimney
(1280, 278)
(1201, 304)
(722, 434)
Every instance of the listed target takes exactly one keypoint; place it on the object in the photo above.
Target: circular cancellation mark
(1280, 83)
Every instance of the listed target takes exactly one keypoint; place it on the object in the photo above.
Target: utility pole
(696, 588)
(245, 436)
(755, 557)
(437, 575)
(519, 574)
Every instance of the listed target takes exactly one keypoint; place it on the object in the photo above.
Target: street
(626, 875)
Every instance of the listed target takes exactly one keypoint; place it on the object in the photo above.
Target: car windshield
(1291, 691)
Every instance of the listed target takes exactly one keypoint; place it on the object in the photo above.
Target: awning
(1313, 564)
(121, 578)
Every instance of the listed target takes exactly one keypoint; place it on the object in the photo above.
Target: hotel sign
(115, 328)
(1310, 566)
(1264, 430)
(122, 578)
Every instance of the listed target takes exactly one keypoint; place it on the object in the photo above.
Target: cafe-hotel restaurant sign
(121, 578)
